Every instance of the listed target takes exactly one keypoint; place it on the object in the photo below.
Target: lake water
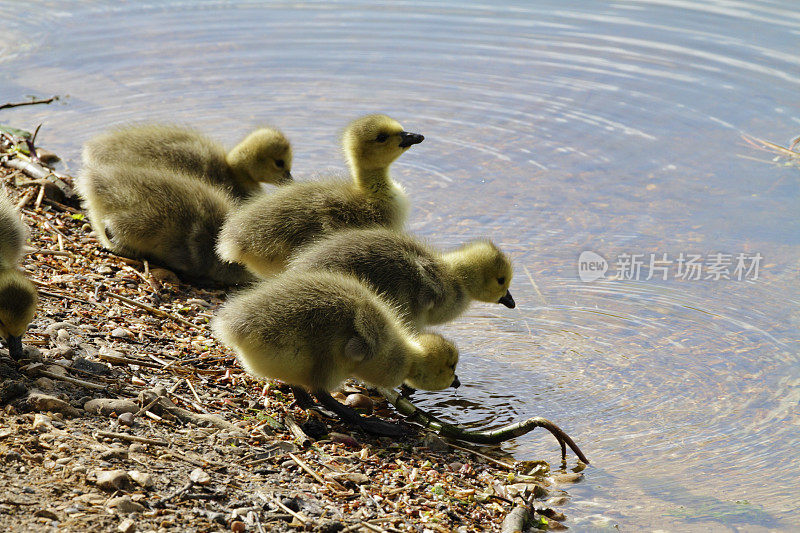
(553, 127)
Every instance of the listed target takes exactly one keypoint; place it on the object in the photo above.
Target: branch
(453, 431)
(32, 102)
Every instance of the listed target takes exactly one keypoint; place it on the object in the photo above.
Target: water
(554, 128)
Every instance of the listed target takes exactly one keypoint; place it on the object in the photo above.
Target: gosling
(18, 296)
(165, 216)
(267, 230)
(315, 329)
(264, 156)
(429, 287)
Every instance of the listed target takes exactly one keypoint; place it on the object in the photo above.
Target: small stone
(11, 390)
(91, 366)
(47, 157)
(435, 443)
(237, 526)
(557, 500)
(137, 447)
(361, 402)
(125, 505)
(42, 422)
(345, 439)
(111, 480)
(127, 526)
(44, 384)
(354, 477)
(79, 469)
(569, 477)
(32, 353)
(62, 354)
(63, 461)
(106, 406)
(115, 453)
(126, 419)
(104, 269)
(38, 401)
(200, 477)
(164, 275)
(142, 479)
(46, 513)
(121, 333)
(62, 337)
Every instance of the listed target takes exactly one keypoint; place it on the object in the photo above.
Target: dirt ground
(126, 415)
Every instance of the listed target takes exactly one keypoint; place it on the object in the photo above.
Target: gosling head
(436, 368)
(17, 306)
(264, 156)
(486, 272)
(373, 142)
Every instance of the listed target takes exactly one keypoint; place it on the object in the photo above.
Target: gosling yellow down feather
(160, 215)
(264, 156)
(429, 287)
(315, 329)
(18, 296)
(268, 229)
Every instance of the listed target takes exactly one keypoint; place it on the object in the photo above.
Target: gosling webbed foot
(406, 391)
(302, 398)
(371, 425)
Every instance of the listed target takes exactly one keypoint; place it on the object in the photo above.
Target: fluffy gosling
(160, 215)
(264, 156)
(267, 230)
(429, 287)
(18, 296)
(315, 329)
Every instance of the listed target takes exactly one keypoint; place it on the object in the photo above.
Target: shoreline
(204, 436)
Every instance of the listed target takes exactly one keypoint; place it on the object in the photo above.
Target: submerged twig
(32, 102)
(454, 431)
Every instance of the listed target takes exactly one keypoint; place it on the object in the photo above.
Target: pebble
(360, 401)
(112, 479)
(142, 479)
(127, 526)
(121, 333)
(569, 477)
(354, 477)
(46, 513)
(39, 401)
(126, 419)
(125, 505)
(115, 453)
(237, 526)
(44, 384)
(137, 447)
(79, 469)
(162, 274)
(62, 337)
(106, 406)
(42, 422)
(90, 366)
(557, 500)
(11, 390)
(435, 443)
(200, 476)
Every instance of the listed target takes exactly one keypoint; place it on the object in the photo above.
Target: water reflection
(553, 128)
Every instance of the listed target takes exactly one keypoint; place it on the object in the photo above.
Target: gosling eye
(382, 137)
(280, 163)
(501, 280)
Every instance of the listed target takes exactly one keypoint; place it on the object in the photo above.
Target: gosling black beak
(287, 177)
(407, 139)
(14, 347)
(507, 300)
(456, 384)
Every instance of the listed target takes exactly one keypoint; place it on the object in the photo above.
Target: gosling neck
(459, 266)
(240, 174)
(375, 180)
